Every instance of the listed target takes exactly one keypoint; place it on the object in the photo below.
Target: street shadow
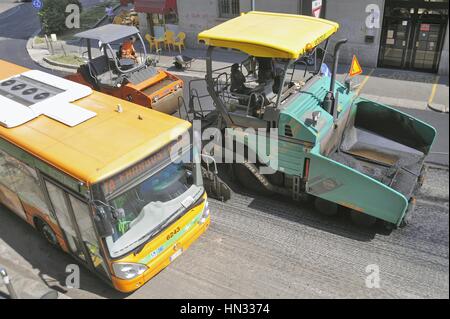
(49, 262)
(219, 54)
(404, 75)
(304, 213)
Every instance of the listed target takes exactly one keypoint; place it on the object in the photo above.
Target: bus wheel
(47, 232)
(362, 219)
(326, 207)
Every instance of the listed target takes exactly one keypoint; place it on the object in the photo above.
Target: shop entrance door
(413, 34)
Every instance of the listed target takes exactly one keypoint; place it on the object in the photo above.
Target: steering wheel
(119, 81)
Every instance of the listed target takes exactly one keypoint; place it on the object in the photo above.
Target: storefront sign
(316, 8)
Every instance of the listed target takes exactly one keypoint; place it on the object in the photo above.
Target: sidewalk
(398, 88)
(25, 283)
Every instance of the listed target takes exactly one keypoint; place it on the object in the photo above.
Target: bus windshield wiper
(167, 221)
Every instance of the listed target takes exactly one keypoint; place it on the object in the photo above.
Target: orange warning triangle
(355, 68)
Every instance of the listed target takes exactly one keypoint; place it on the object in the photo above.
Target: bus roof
(272, 35)
(100, 147)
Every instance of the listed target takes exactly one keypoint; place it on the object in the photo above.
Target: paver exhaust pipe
(329, 102)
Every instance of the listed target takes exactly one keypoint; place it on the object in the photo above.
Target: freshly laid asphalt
(269, 247)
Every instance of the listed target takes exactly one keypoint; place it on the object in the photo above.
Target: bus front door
(60, 204)
(74, 218)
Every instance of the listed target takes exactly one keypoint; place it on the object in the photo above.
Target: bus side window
(5, 173)
(7, 194)
(25, 182)
(86, 227)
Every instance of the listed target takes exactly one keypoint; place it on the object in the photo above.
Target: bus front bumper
(164, 260)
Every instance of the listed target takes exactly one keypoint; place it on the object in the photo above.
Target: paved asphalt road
(261, 247)
(17, 25)
(266, 247)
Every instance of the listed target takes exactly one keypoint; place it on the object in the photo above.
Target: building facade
(404, 34)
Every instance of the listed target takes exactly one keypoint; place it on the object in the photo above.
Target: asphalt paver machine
(334, 147)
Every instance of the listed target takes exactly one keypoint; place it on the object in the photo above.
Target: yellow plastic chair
(169, 39)
(153, 42)
(179, 43)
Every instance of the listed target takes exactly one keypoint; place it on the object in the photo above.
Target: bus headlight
(128, 270)
(205, 214)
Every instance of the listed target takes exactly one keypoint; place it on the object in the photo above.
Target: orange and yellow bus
(105, 189)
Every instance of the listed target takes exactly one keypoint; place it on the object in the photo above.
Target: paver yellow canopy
(272, 35)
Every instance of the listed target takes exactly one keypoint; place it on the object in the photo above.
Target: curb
(26, 284)
(440, 108)
(61, 65)
(65, 67)
(49, 64)
(30, 41)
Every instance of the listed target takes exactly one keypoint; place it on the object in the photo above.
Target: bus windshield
(143, 210)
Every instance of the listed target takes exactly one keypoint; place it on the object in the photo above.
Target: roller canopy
(108, 33)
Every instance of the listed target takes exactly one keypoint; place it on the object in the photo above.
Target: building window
(229, 8)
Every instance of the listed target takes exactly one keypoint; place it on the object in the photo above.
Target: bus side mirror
(215, 187)
(210, 161)
(103, 223)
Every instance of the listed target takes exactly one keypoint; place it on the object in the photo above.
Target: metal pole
(337, 48)
(280, 94)
(7, 281)
(210, 87)
(253, 5)
(329, 103)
